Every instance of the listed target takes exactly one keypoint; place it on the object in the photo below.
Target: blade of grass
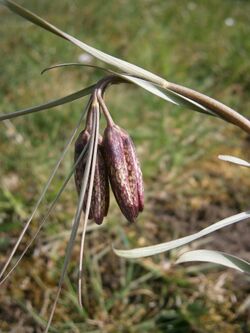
(44, 191)
(163, 247)
(74, 227)
(215, 257)
(51, 104)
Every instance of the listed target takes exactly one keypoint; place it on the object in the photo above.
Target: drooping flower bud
(124, 171)
(100, 194)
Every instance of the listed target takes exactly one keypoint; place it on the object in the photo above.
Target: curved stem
(104, 108)
(101, 86)
(220, 109)
(110, 80)
(89, 122)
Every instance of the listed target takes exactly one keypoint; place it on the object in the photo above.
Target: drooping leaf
(221, 110)
(45, 218)
(215, 257)
(88, 203)
(60, 101)
(27, 224)
(76, 222)
(164, 247)
(234, 160)
(111, 60)
(168, 95)
(76, 64)
(187, 95)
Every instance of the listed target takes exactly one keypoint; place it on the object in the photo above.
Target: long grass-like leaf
(168, 95)
(163, 247)
(51, 104)
(89, 197)
(121, 64)
(43, 192)
(76, 64)
(75, 226)
(188, 96)
(234, 160)
(215, 257)
(220, 109)
(46, 216)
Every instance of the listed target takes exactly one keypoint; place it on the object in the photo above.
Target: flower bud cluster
(117, 164)
(100, 195)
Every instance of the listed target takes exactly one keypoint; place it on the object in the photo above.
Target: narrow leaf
(46, 216)
(215, 257)
(197, 100)
(43, 192)
(168, 95)
(89, 197)
(76, 64)
(234, 160)
(163, 247)
(74, 227)
(218, 108)
(49, 105)
(121, 64)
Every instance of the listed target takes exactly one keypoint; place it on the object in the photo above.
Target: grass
(188, 43)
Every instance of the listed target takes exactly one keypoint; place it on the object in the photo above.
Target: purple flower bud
(124, 171)
(100, 194)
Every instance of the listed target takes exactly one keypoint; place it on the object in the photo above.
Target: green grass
(185, 42)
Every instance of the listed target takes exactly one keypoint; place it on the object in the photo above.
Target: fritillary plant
(108, 160)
